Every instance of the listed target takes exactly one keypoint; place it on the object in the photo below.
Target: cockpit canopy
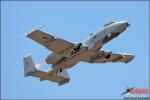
(109, 23)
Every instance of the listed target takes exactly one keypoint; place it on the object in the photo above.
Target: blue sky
(73, 21)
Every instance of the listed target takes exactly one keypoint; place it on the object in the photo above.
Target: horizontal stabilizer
(30, 70)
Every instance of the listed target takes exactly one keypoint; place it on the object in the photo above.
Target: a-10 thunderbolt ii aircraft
(66, 54)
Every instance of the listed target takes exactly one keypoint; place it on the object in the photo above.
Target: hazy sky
(73, 21)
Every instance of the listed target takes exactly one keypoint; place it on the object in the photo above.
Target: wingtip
(130, 59)
(27, 34)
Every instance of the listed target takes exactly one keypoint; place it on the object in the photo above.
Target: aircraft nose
(125, 23)
(122, 26)
(128, 24)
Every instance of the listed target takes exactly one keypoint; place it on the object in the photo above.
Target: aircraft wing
(31, 70)
(50, 42)
(113, 57)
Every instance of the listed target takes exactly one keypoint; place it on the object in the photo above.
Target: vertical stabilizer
(64, 74)
(29, 66)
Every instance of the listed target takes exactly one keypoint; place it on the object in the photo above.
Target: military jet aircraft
(128, 90)
(66, 54)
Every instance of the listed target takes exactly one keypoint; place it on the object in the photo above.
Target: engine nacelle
(53, 58)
